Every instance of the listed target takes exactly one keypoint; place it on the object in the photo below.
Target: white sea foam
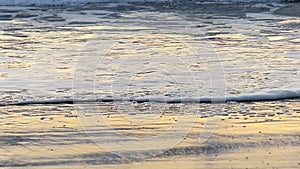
(263, 96)
(269, 95)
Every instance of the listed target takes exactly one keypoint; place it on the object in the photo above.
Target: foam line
(257, 97)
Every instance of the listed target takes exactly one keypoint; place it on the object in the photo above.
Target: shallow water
(150, 51)
(153, 51)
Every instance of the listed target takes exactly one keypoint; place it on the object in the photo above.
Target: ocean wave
(255, 97)
(63, 2)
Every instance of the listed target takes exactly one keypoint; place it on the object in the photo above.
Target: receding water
(140, 50)
(149, 50)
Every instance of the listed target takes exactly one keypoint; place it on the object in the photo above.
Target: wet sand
(250, 135)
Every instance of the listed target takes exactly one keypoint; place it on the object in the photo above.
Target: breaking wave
(255, 97)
